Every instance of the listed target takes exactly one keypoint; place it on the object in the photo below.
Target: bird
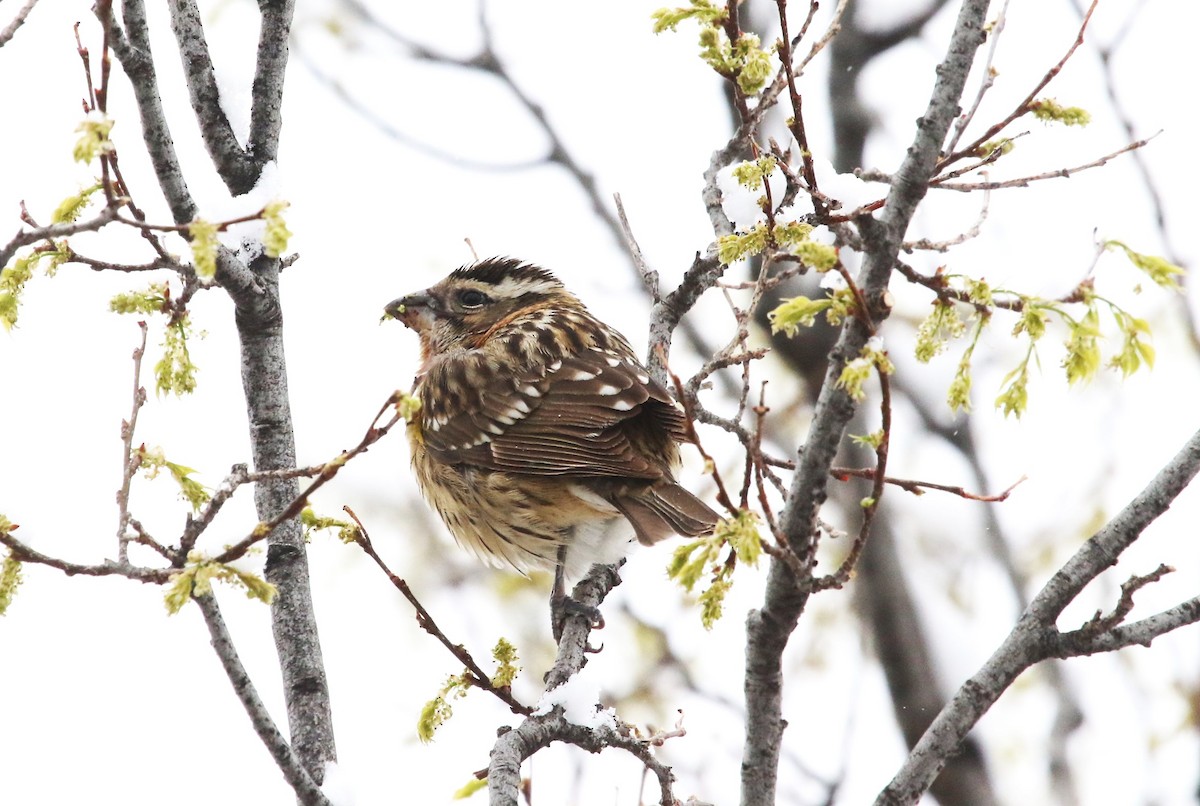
(541, 440)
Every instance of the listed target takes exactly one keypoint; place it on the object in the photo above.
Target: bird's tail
(666, 509)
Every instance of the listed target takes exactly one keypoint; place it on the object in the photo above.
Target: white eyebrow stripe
(511, 287)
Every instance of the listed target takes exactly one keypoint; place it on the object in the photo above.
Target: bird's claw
(562, 608)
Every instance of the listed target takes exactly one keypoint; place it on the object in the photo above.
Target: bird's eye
(471, 298)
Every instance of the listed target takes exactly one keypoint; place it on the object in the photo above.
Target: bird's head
(473, 302)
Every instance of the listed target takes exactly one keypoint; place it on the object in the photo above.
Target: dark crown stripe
(494, 270)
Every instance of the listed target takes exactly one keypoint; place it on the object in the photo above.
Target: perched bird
(541, 440)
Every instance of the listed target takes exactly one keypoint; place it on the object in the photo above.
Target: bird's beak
(414, 310)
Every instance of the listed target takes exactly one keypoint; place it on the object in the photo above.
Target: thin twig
(11, 29)
(131, 460)
(477, 676)
(330, 469)
(1026, 105)
(918, 487)
(1025, 181)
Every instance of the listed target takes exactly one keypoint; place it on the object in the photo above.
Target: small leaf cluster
(175, 372)
(275, 239)
(745, 60)
(792, 236)
(435, 712)
(10, 571)
(203, 237)
(470, 788)
(505, 655)
(93, 137)
(1083, 357)
(310, 522)
(70, 208)
(854, 375)
(196, 579)
(797, 312)
(752, 173)
(936, 330)
(692, 560)
(408, 406)
(1049, 110)
(1158, 269)
(13, 278)
(155, 299)
(702, 11)
(153, 460)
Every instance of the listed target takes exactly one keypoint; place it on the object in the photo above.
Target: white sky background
(109, 699)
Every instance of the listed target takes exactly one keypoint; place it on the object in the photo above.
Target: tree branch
(1035, 636)
(769, 628)
(10, 30)
(307, 790)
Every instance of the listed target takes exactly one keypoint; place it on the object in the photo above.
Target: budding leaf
(1014, 397)
(933, 334)
(70, 208)
(703, 11)
(470, 788)
(275, 240)
(1049, 110)
(505, 654)
(435, 712)
(1158, 269)
(10, 575)
(93, 137)
(310, 522)
(204, 248)
(738, 245)
(797, 312)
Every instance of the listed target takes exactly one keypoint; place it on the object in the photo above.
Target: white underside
(600, 542)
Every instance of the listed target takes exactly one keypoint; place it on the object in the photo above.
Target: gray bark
(769, 628)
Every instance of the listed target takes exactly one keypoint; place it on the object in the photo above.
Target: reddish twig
(1026, 105)
(918, 487)
(327, 472)
(476, 675)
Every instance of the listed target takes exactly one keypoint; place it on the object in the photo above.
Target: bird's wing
(592, 414)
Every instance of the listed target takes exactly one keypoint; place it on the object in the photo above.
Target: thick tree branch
(132, 46)
(1035, 637)
(769, 628)
(10, 30)
(307, 790)
(238, 167)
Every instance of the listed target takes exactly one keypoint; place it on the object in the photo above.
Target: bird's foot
(563, 607)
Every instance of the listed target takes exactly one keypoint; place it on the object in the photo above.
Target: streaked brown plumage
(541, 438)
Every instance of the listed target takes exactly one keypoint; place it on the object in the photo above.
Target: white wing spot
(613, 361)
(608, 389)
(531, 391)
(620, 404)
(583, 375)
(555, 367)
(643, 377)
